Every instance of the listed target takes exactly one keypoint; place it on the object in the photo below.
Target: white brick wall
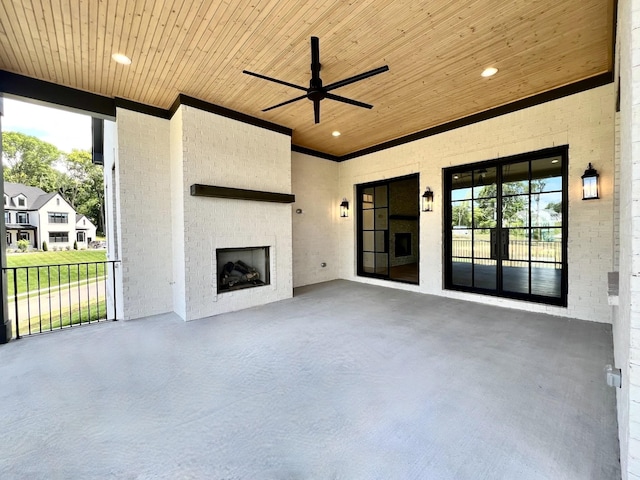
(145, 213)
(616, 198)
(315, 233)
(224, 152)
(626, 329)
(177, 216)
(584, 121)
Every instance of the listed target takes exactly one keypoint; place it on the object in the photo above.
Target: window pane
(381, 245)
(461, 243)
(461, 272)
(546, 209)
(484, 183)
(368, 262)
(515, 276)
(381, 196)
(367, 198)
(367, 219)
(381, 263)
(546, 244)
(367, 241)
(518, 244)
(515, 178)
(546, 174)
(484, 274)
(381, 218)
(484, 213)
(461, 186)
(546, 279)
(481, 244)
(461, 214)
(515, 211)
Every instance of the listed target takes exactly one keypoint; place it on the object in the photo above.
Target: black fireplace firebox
(240, 268)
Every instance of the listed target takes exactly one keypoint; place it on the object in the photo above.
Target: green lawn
(55, 258)
(42, 275)
(60, 319)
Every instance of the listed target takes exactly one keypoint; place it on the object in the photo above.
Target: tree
(29, 160)
(514, 208)
(461, 214)
(83, 186)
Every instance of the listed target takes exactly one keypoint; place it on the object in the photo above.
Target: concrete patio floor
(344, 381)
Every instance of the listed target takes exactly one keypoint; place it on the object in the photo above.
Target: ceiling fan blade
(274, 80)
(347, 100)
(285, 103)
(356, 78)
(315, 58)
(316, 110)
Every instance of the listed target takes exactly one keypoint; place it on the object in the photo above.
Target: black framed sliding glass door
(506, 227)
(388, 229)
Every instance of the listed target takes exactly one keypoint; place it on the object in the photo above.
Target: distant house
(37, 216)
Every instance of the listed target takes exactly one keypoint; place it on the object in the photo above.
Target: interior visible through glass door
(388, 229)
(507, 227)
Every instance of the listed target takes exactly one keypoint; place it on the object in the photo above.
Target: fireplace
(403, 244)
(241, 268)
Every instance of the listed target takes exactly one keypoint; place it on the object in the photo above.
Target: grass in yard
(44, 272)
(55, 258)
(66, 317)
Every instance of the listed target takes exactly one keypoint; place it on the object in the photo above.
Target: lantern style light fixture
(590, 184)
(344, 208)
(427, 200)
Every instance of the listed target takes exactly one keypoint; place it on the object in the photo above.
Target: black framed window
(58, 237)
(506, 227)
(22, 217)
(56, 217)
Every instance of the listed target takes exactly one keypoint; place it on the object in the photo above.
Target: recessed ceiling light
(555, 160)
(335, 133)
(488, 72)
(121, 58)
(456, 177)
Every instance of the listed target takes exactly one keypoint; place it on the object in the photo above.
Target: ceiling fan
(316, 91)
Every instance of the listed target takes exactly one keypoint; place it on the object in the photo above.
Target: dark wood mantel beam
(198, 190)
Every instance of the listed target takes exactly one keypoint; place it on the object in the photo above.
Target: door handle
(494, 243)
(504, 237)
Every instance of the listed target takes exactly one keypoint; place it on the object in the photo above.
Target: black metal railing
(538, 251)
(44, 298)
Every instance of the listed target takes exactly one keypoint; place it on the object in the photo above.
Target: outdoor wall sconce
(590, 184)
(344, 208)
(427, 200)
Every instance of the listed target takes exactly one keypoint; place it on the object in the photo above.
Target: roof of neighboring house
(32, 193)
(89, 224)
(42, 199)
(36, 197)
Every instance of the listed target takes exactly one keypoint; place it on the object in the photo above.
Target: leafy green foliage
(23, 245)
(30, 161)
(83, 186)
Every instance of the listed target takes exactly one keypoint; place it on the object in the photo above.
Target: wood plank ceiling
(435, 50)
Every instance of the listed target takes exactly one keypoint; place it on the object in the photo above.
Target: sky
(65, 130)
